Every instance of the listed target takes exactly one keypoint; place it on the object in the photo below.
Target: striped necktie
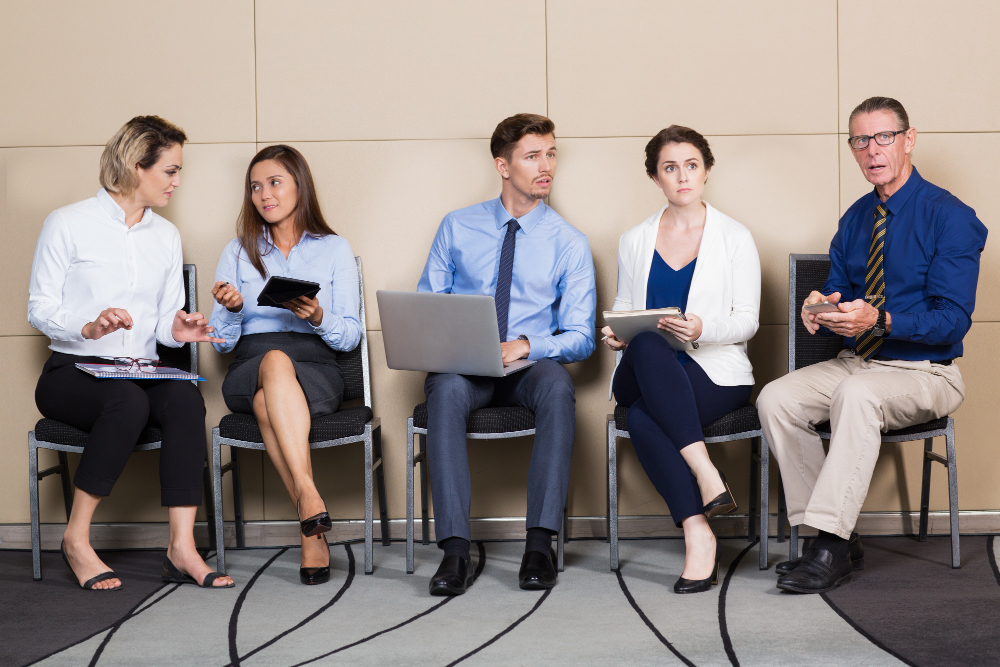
(506, 271)
(868, 344)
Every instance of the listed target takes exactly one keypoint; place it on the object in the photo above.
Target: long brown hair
(309, 219)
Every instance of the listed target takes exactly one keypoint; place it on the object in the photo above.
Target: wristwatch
(879, 328)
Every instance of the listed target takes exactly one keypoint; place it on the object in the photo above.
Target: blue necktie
(502, 296)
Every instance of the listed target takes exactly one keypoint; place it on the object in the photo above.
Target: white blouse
(87, 259)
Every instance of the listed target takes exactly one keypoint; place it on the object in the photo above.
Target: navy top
(666, 288)
(932, 246)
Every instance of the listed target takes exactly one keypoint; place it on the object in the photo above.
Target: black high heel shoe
(683, 585)
(311, 576)
(724, 503)
(316, 524)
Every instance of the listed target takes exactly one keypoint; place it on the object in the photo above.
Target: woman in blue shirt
(285, 369)
(691, 256)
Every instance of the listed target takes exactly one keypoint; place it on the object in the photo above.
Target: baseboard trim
(282, 533)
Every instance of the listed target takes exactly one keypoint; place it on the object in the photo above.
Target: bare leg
(283, 416)
(709, 481)
(699, 547)
(181, 550)
(83, 560)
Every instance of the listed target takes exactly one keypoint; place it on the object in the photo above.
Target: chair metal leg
(234, 455)
(206, 482)
(369, 483)
(956, 558)
(793, 544)
(425, 518)
(782, 511)
(383, 510)
(765, 499)
(561, 540)
(220, 542)
(67, 486)
(925, 488)
(754, 470)
(613, 492)
(36, 536)
(409, 495)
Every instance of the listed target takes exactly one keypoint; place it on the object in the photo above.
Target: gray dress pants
(547, 390)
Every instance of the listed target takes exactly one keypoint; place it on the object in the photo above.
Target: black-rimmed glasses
(131, 364)
(882, 139)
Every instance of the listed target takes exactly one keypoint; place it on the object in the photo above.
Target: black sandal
(88, 585)
(171, 575)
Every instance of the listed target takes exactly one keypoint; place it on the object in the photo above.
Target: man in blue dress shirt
(904, 268)
(540, 271)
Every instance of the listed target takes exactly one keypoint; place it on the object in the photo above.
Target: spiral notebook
(109, 371)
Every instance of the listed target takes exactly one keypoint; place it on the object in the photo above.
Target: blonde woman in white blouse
(691, 256)
(106, 286)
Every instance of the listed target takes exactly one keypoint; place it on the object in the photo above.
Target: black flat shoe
(453, 576)
(819, 572)
(316, 524)
(311, 576)
(538, 571)
(88, 585)
(854, 549)
(724, 503)
(171, 575)
(683, 585)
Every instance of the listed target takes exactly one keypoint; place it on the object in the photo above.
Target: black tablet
(279, 290)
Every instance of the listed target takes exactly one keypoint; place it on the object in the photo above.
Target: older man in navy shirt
(904, 268)
(540, 271)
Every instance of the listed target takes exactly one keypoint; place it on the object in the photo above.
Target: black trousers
(115, 412)
(669, 403)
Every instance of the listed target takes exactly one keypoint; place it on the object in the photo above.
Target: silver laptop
(442, 333)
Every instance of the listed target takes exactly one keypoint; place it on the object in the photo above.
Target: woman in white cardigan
(691, 256)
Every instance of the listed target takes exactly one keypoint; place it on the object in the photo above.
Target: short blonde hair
(139, 142)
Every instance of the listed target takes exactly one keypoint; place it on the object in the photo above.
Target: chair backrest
(186, 356)
(805, 274)
(354, 364)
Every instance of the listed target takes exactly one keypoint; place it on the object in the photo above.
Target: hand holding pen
(228, 296)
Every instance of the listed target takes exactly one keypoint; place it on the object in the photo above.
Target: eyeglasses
(882, 139)
(142, 365)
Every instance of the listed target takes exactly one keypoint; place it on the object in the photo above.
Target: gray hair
(873, 104)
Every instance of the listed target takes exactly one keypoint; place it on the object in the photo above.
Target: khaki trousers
(859, 398)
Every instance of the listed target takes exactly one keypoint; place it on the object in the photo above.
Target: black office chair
(805, 273)
(63, 438)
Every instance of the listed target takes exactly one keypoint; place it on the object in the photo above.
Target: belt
(943, 362)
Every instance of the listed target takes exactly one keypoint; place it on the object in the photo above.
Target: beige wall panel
(602, 189)
(394, 70)
(962, 163)
(82, 69)
(956, 93)
(634, 67)
(388, 197)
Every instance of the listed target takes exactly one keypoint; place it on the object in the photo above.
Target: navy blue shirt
(932, 246)
(667, 287)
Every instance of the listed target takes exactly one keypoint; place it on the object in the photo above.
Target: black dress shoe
(538, 571)
(854, 549)
(683, 585)
(724, 503)
(820, 571)
(310, 576)
(453, 576)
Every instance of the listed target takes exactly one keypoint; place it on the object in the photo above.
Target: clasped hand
(853, 318)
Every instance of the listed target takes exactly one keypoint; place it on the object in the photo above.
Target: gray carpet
(907, 607)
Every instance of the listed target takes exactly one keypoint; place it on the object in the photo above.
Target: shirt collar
(898, 200)
(527, 221)
(116, 212)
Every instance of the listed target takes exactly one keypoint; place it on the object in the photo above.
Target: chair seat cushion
(487, 420)
(341, 424)
(738, 421)
(50, 430)
(916, 429)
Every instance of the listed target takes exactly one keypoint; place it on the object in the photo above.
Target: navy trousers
(668, 405)
(544, 388)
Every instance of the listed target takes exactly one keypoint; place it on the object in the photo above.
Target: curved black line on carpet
(234, 655)
(501, 634)
(649, 623)
(861, 631)
(993, 558)
(343, 589)
(121, 621)
(727, 642)
(475, 575)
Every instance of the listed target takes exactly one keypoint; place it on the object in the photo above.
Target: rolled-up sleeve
(228, 325)
(341, 326)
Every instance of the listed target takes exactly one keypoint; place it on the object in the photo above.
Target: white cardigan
(725, 291)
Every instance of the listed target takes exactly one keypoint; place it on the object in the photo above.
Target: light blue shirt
(552, 292)
(327, 260)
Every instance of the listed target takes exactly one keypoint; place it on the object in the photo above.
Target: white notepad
(109, 371)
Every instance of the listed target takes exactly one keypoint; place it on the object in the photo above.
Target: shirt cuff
(539, 347)
(902, 326)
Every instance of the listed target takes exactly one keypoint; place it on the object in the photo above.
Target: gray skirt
(315, 367)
